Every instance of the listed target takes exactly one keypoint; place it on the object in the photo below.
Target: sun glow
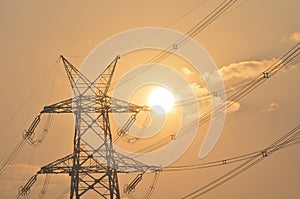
(161, 100)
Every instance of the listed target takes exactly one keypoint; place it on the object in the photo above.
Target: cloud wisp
(271, 107)
(295, 36)
(231, 73)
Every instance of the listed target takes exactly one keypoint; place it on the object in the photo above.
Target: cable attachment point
(35, 139)
(127, 125)
(264, 153)
(28, 133)
(25, 190)
(131, 187)
(173, 137)
(266, 75)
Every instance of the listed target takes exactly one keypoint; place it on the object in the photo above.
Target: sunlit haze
(161, 100)
(243, 41)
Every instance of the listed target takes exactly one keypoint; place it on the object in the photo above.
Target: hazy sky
(35, 33)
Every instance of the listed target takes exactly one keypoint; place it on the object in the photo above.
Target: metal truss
(93, 167)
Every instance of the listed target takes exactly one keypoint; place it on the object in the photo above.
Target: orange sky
(35, 33)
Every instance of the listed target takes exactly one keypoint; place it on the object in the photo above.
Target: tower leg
(75, 168)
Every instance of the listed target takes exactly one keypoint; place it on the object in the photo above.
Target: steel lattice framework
(92, 168)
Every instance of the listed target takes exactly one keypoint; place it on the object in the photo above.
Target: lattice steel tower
(92, 167)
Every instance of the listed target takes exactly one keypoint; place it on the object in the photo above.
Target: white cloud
(236, 72)
(212, 78)
(186, 71)
(242, 70)
(198, 90)
(295, 36)
(205, 99)
(272, 107)
(234, 107)
(231, 73)
(190, 91)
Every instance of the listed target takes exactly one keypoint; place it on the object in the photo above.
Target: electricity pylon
(92, 167)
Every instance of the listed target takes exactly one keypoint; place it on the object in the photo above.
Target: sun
(161, 100)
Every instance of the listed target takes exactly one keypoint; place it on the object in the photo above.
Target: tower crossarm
(93, 104)
(65, 106)
(119, 106)
(62, 165)
(90, 162)
(130, 165)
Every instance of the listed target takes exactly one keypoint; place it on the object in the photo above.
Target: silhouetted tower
(94, 164)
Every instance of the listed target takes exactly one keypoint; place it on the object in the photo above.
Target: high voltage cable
(20, 144)
(188, 12)
(44, 187)
(274, 68)
(288, 139)
(193, 32)
(166, 26)
(206, 117)
(64, 193)
(12, 155)
(203, 24)
(216, 163)
(29, 135)
(228, 89)
(152, 185)
(246, 89)
(256, 81)
(40, 84)
(287, 60)
(215, 14)
(291, 138)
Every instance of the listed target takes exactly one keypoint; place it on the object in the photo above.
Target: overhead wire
(11, 155)
(213, 15)
(36, 140)
(292, 57)
(187, 13)
(204, 23)
(21, 143)
(44, 78)
(64, 193)
(24, 191)
(274, 70)
(289, 139)
(168, 25)
(222, 162)
(152, 185)
(44, 187)
(133, 139)
(200, 26)
(208, 95)
(28, 135)
(235, 7)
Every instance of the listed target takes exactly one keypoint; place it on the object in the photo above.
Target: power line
(289, 59)
(289, 139)
(241, 89)
(39, 85)
(196, 29)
